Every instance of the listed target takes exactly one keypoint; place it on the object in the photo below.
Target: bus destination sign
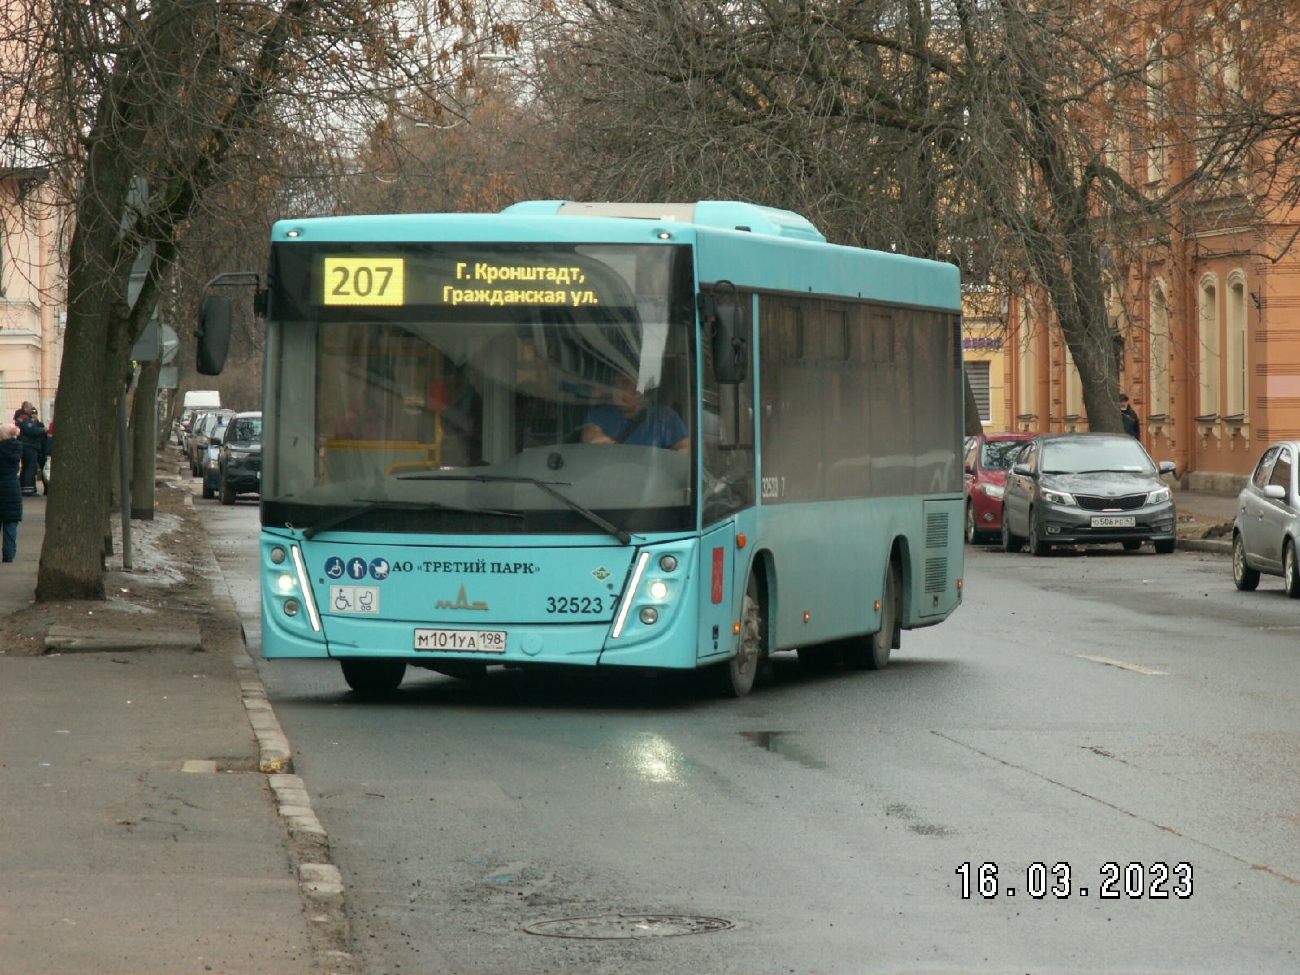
(378, 281)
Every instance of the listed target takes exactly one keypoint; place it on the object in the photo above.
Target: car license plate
(1114, 521)
(461, 641)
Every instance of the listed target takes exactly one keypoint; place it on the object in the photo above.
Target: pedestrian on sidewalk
(1132, 425)
(31, 433)
(11, 492)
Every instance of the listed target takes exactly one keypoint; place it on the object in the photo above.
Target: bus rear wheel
(736, 677)
(872, 652)
(373, 678)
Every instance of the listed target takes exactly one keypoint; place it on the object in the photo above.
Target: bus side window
(726, 426)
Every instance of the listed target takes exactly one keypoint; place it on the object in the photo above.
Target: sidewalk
(1201, 520)
(140, 831)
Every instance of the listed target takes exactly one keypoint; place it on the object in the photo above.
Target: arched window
(1160, 350)
(1208, 359)
(1238, 319)
(1157, 115)
(1073, 387)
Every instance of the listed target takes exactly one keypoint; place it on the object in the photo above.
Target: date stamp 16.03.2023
(1110, 881)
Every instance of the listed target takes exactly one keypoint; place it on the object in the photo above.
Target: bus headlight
(658, 590)
(278, 555)
(649, 616)
(286, 582)
(668, 563)
(291, 607)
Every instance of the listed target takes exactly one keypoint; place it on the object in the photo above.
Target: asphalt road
(1080, 710)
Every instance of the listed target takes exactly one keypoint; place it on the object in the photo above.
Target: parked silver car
(197, 445)
(210, 469)
(1267, 525)
(1087, 489)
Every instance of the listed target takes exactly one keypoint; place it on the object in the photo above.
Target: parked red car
(988, 457)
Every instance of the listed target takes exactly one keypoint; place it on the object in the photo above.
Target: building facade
(32, 307)
(32, 290)
(1203, 306)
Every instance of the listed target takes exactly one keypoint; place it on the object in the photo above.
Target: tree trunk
(96, 347)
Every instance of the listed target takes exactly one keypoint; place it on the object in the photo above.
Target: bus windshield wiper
(371, 505)
(547, 486)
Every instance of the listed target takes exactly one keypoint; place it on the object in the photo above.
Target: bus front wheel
(373, 678)
(872, 651)
(735, 678)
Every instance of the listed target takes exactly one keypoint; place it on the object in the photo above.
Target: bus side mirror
(213, 335)
(730, 338)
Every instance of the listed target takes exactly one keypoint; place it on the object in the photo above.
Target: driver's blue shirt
(659, 426)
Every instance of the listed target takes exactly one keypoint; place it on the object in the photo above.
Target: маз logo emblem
(462, 602)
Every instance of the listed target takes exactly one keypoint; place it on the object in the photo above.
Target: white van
(201, 399)
(194, 400)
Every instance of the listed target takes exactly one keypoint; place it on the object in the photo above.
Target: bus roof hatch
(721, 214)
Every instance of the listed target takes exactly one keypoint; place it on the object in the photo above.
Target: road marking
(1137, 668)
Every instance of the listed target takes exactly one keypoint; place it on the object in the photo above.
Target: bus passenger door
(717, 573)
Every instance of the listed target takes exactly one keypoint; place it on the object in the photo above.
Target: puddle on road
(779, 743)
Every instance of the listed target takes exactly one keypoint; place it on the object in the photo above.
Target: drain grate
(624, 926)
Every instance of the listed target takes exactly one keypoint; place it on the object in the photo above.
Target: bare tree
(148, 108)
(1029, 137)
(481, 157)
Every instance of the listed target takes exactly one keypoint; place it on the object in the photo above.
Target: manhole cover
(620, 926)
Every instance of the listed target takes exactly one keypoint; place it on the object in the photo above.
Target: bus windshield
(480, 388)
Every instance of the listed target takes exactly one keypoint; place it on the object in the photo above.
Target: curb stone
(320, 884)
(1205, 545)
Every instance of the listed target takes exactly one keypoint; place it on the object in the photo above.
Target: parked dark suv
(1087, 489)
(240, 461)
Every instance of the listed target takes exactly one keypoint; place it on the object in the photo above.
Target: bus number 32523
(575, 604)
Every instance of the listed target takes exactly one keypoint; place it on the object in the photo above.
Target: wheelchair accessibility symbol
(334, 567)
(362, 600)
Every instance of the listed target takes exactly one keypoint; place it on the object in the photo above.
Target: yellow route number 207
(365, 281)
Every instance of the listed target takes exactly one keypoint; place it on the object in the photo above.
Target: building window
(1028, 348)
(977, 373)
(1238, 318)
(1160, 348)
(1208, 359)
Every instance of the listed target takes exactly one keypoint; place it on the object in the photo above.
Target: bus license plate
(461, 641)
(1114, 521)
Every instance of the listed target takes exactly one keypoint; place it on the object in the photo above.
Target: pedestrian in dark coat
(31, 432)
(1132, 425)
(11, 494)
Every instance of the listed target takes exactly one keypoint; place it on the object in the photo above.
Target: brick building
(1204, 309)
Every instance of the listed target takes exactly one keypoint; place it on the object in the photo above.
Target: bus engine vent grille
(936, 529)
(936, 574)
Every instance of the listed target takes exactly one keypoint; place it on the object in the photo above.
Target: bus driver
(627, 420)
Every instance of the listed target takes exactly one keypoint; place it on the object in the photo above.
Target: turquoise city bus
(659, 437)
